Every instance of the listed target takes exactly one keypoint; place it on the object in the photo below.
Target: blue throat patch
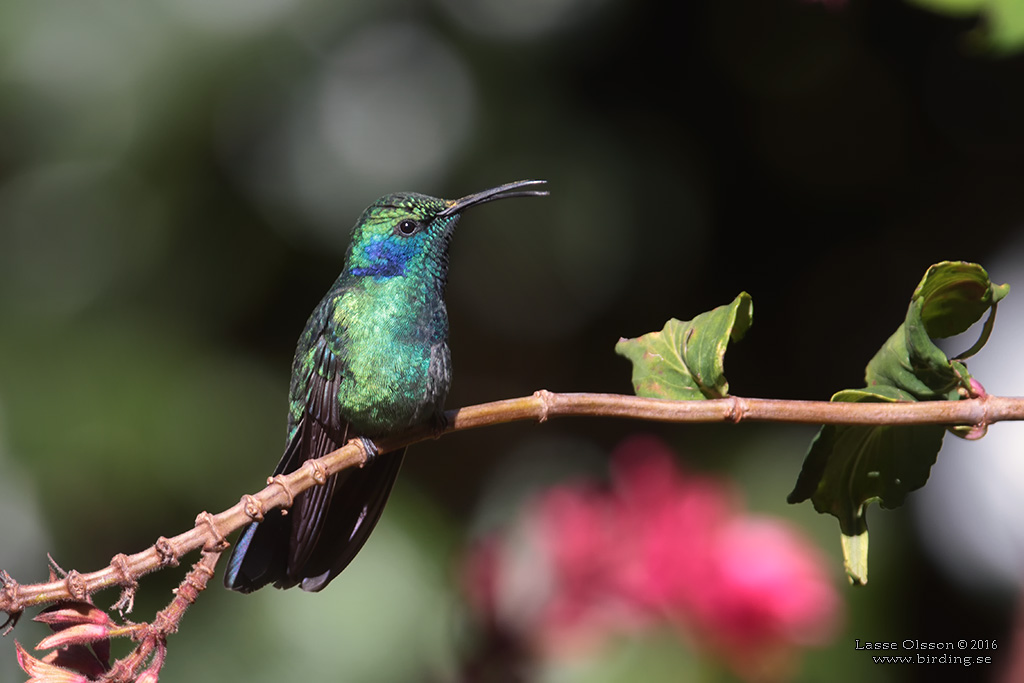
(385, 260)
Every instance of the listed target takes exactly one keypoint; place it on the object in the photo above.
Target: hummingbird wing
(262, 554)
(311, 507)
(328, 524)
(359, 498)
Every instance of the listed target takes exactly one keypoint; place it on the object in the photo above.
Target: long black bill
(505, 191)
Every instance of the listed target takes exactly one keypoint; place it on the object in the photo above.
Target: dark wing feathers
(319, 432)
(312, 505)
(328, 524)
(259, 556)
(358, 501)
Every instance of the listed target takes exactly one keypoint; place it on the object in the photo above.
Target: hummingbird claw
(439, 423)
(369, 448)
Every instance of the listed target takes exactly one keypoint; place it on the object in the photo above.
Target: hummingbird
(373, 360)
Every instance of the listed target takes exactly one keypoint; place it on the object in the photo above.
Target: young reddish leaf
(41, 672)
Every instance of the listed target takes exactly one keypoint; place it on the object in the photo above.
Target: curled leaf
(849, 467)
(685, 360)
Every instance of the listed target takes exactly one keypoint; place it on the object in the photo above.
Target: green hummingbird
(373, 360)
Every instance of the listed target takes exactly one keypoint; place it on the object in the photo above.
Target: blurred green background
(178, 179)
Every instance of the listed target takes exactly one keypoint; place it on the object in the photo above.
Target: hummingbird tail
(325, 530)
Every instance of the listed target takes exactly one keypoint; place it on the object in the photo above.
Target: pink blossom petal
(774, 585)
(584, 562)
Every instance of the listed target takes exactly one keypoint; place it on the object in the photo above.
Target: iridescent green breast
(379, 346)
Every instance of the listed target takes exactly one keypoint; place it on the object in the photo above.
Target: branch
(152, 646)
(80, 642)
(210, 530)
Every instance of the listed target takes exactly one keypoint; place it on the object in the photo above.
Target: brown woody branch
(210, 530)
(152, 638)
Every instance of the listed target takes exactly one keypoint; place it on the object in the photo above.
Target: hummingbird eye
(408, 227)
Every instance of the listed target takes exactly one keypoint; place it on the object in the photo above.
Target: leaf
(954, 295)
(1004, 26)
(849, 467)
(1000, 28)
(951, 297)
(686, 359)
(855, 557)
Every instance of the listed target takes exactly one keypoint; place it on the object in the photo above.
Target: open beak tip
(506, 191)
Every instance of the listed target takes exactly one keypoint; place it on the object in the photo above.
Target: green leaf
(1001, 22)
(855, 557)
(849, 467)
(686, 359)
(951, 297)
(1004, 26)
(954, 296)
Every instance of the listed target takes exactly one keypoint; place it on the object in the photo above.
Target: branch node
(737, 410)
(317, 471)
(217, 541)
(283, 483)
(253, 507)
(120, 563)
(544, 396)
(209, 571)
(165, 551)
(76, 586)
(13, 605)
(126, 602)
(193, 580)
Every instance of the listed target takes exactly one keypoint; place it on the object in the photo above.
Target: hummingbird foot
(370, 449)
(438, 424)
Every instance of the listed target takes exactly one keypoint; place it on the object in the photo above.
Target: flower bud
(79, 634)
(72, 612)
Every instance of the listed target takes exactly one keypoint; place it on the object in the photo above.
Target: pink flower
(80, 644)
(768, 594)
(659, 545)
(667, 523)
(574, 527)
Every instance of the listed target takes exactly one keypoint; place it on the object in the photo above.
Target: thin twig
(153, 638)
(541, 406)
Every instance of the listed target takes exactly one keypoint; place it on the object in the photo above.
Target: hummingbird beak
(501, 192)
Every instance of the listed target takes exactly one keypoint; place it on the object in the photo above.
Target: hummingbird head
(407, 231)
